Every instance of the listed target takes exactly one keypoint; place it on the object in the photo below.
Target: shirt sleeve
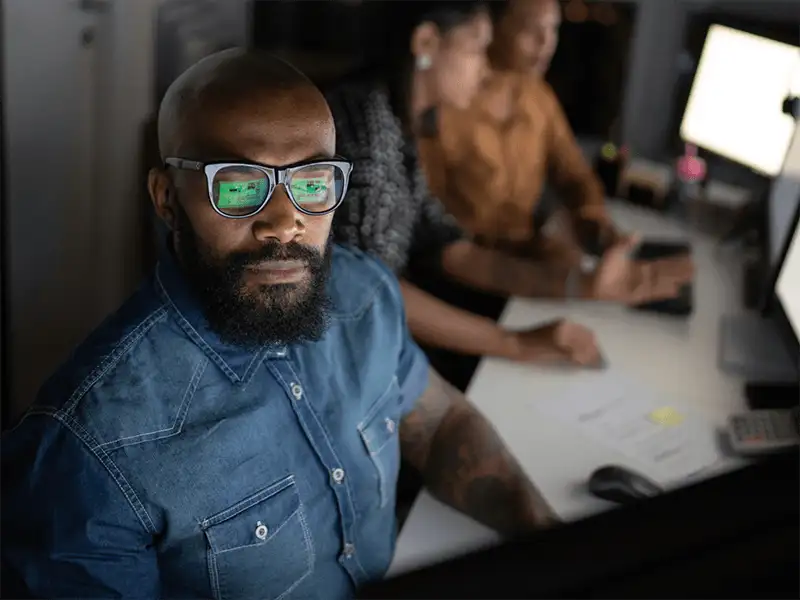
(412, 372)
(570, 173)
(68, 529)
(412, 364)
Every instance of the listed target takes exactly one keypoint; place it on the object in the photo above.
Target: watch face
(588, 263)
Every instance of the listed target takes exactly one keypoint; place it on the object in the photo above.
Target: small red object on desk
(690, 168)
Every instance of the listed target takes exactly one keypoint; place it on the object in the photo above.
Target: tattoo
(419, 427)
(466, 464)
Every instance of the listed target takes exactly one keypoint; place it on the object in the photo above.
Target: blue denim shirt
(160, 462)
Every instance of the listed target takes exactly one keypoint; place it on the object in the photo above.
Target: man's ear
(162, 195)
(425, 41)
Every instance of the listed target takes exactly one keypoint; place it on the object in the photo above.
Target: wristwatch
(587, 266)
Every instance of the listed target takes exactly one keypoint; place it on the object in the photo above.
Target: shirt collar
(236, 362)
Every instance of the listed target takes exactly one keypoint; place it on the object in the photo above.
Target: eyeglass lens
(241, 190)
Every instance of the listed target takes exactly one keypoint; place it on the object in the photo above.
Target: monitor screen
(784, 197)
(787, 284)
(735, 104)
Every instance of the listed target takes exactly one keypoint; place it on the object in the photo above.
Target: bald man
(235, 429)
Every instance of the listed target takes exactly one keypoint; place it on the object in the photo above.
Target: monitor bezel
(679, 540)
(705, 149)
(773, 307)
(699, 22)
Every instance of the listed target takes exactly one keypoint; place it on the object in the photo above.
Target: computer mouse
(621, 485)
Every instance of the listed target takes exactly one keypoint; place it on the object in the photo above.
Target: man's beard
(281, 313)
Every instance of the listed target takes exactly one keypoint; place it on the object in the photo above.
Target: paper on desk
(666, 439)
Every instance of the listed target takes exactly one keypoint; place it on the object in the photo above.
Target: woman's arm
(498, 272)
(441, 325)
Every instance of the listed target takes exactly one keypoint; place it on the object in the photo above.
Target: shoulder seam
(119, 350)
(113, 470)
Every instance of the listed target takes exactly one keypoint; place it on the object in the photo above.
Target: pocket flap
(254, 520)
(382, 421)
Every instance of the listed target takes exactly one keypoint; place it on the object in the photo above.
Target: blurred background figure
(515, 165)
(440, 61)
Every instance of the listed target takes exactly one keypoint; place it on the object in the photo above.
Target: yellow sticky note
(666, 416)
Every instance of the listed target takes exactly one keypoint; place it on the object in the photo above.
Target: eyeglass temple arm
(180, 163)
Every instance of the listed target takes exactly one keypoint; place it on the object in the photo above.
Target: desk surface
(676, 357)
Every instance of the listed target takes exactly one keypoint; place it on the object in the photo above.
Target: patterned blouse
(389, 211)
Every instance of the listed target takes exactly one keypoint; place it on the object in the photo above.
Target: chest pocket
(260, 547)
(379, 431)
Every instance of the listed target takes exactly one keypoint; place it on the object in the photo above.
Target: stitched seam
(265, 542)
(180, 417)
(313, 442)
(257, 498)
(253, 367)
(377, 450)
(358, 314)
(309, 553)
(213, 572)
(116, 474)
(194, 336)
(120, 350)
(378, 404)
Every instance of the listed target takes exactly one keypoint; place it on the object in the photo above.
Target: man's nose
(279, 220)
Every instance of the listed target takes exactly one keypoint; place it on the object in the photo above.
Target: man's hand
(465, 464)
(620, 278)
(560, 342)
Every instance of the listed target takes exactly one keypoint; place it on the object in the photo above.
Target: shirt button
(338, 475)
(390, 425)
(349, 550)
(261, 531)
(297, 391)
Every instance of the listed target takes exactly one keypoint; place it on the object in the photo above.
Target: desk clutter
(682, 186)
(668, 441)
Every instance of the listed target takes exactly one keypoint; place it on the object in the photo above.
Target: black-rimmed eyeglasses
(240, 190)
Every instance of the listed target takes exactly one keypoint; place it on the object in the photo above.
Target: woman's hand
(560, 342)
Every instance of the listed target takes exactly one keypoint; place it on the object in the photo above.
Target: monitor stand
(751, 347)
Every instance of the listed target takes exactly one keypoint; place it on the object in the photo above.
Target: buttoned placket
(290, 380)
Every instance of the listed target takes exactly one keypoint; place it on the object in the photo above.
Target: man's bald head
(232, 80)
(254, 112)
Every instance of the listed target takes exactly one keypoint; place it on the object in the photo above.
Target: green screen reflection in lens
(242, 194)
(310, 190)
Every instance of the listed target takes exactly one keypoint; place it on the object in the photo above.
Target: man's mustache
(275, 251)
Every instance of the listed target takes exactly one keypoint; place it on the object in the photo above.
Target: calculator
(764, 431)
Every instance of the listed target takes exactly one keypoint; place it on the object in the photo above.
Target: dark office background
(588, 70)
(330, 39)
(617, 61)
(5, 406)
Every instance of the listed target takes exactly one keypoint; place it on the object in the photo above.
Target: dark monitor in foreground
(736, 535)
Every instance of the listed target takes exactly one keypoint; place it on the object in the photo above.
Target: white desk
(676, 357)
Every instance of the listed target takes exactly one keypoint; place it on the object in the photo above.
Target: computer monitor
(733, 535)
(785, 306)
(783, 198)
(735, 103)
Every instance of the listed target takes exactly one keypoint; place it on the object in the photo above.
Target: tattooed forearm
(466, 465)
